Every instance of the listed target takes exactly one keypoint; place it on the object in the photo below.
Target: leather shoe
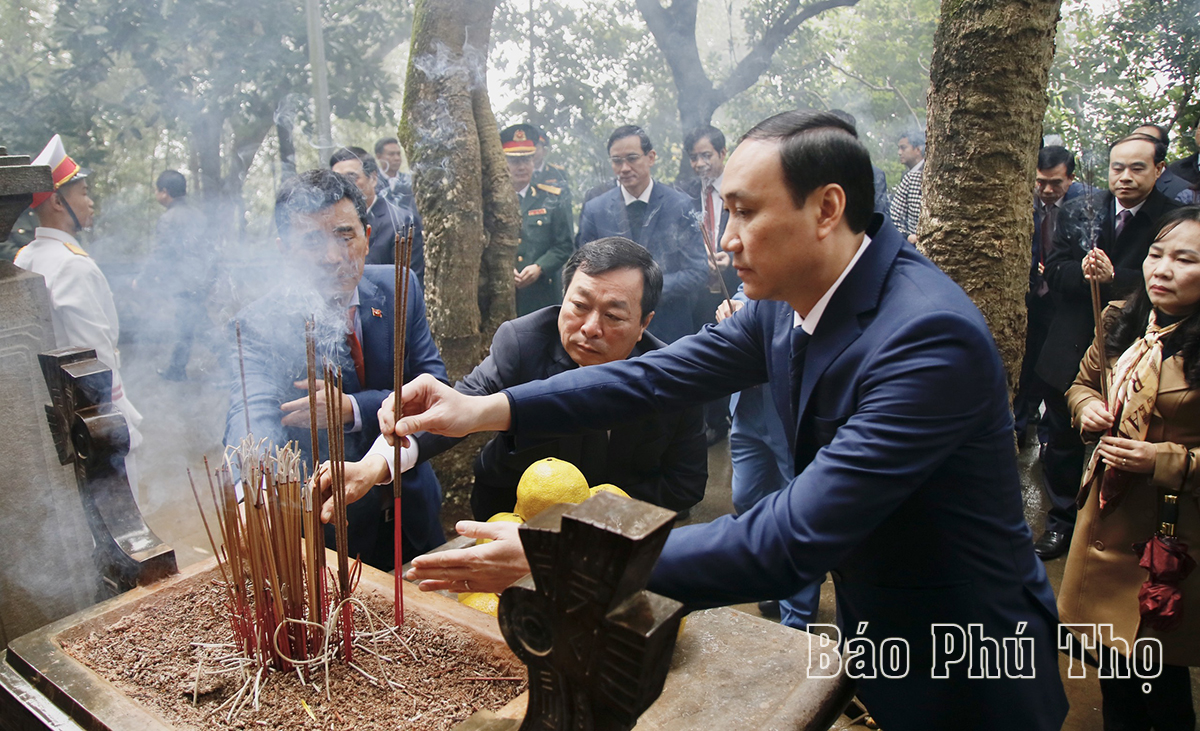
(1051, 545)
(769, 609)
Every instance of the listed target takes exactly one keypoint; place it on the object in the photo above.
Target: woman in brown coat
(1152, 351)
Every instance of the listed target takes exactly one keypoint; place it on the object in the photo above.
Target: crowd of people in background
(643, 267)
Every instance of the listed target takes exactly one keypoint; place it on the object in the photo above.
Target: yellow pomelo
(499, 518)
(549, 481)
(610, 488)
(484, 602)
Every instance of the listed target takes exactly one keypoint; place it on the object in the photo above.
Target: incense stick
(1097, 311)
(237, 326)
(400, 331)
(712, 260)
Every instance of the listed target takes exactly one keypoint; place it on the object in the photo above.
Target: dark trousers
(1062, 464)
(190, 314)
(1167, 707)
(1030, 388)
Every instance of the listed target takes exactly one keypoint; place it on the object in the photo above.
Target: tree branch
(758, 60)
(888, 86)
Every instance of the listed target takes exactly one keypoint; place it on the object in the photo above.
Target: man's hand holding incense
(432, 406)
(360, 478)
(491, 567)
(1097, 267)
(295, 413)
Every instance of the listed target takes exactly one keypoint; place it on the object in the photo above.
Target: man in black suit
(1170, 184)
(659, 218)
(1188, 167)
(705, 147)
(612, 289)
(384, 217)
(1056, 185)
(1113, 230)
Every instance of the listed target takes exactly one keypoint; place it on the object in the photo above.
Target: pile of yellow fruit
(543, 484)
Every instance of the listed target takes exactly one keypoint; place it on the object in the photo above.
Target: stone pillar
(46, 567)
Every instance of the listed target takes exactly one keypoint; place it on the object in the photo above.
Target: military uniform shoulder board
(550, 189)
(74, 249)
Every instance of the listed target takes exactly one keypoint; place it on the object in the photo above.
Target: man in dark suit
(384, 218)
(659, 218)
(705, 147)
(613, 287)
(1055, 185)
(906, 480)
(323, 236)
(1188, 167)
(1115, 228)
(1168, 183)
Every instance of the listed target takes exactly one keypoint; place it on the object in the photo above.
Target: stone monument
(46, 568)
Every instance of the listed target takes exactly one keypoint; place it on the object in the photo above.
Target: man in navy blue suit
(659, 218)
(323, 234)
(906, 484)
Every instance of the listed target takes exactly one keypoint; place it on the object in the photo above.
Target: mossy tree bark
(472, 220)
(987, 98)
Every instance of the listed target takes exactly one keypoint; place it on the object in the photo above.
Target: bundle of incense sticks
(271, 558)
(403, 261)
(337, 473)
(712, 261)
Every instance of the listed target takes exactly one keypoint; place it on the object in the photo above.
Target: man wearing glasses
(659, 218)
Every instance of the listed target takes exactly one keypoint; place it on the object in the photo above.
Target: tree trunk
(987, 98)
(460, 178)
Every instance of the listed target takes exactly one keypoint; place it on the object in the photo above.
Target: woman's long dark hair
(1129, 323)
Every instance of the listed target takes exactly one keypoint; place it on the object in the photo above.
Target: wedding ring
(1124, 462)
(467, 584)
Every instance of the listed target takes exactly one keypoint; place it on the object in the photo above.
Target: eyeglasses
(619, 161)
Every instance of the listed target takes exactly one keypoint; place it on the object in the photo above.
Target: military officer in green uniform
(545, 173)
(547, 232)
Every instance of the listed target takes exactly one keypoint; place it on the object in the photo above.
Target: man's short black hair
(370, 167)
(617, 252)
(384, 143)
(631, 130)
(816, 149)
(1163, 136)
(715, 137)
(172, 183)
(313, 191)
(1055, 155)
(915, 137)
(1160, 150)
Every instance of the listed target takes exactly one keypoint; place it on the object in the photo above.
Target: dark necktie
(1122, 219)
(356, 351)
(636, 211)
(799, 346)
(1049, 219)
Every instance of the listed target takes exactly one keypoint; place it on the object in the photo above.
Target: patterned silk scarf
(1132, 392)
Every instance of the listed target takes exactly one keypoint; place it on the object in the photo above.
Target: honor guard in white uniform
(81, 302)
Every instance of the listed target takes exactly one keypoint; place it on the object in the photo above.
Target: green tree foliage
(1140, 63)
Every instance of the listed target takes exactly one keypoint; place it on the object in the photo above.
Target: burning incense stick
(310, 350)
(1097, 311)
(712, 260)
(400, 329)
(337, 473)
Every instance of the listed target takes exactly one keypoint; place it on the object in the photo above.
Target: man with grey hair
(906, 201)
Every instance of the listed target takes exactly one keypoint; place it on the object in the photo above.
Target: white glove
(408, 456)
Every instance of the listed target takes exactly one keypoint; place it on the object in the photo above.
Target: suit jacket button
(520, 258)
(1098, 545)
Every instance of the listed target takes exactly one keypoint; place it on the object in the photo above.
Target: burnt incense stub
(597, 644)
(91, 433)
